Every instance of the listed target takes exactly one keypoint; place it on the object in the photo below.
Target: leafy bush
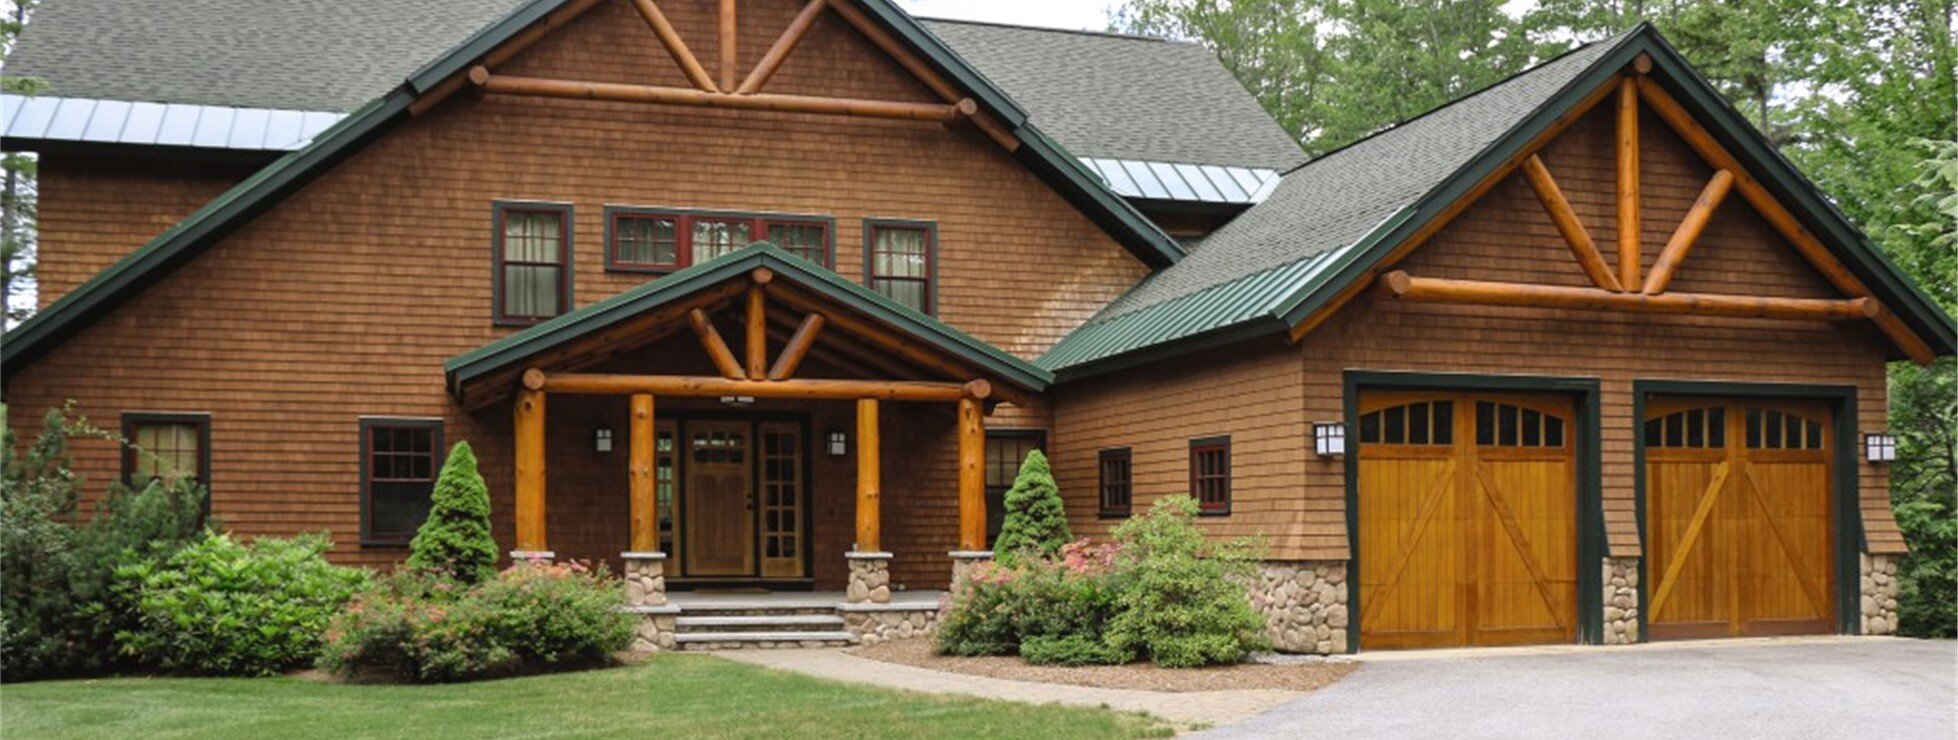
(1036, 523)
(225, 608)
(1924, 489)
(1182, 603)
(533, 616)
(1078, 649)
(1001, 609)
(455, 540)
(59, 608)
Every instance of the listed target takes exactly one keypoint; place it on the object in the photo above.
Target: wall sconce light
(838, 444)
(1329, 438)
(1879, 447)
(602, 439)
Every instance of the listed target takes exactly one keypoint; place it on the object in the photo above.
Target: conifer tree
(1036, 522)
(455, 540)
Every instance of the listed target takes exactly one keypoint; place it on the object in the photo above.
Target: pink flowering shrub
(1048, 610)
(533, 616)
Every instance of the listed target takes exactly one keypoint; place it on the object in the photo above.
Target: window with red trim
(646, 242)
(806, 239)
(1210, 474)
(899, 261)
(639, 240)
(533, 262)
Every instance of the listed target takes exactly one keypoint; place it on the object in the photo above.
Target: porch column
(972, 475)
(869, 482)
(645, 529)
(530, 471)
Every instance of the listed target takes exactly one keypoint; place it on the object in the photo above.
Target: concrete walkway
(1829, 687)
(1190, 709)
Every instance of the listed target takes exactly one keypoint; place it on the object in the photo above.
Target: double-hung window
(1114, 482)
(1210, 474)
(399, 459)
(533, 261)
(899, 259)
(167, 448)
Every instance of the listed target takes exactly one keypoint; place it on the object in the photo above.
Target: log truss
(1629, 287)
(730, 90)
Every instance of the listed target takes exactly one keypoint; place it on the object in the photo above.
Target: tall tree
(1333, 71)
(17, 187)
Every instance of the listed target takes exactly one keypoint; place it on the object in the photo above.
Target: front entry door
(719, 499)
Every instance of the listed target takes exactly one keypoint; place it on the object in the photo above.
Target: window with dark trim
(1210, 474)
(1114, 481)
(899, 262)
(1006, 449)
(167, 447)
(663, 240)
(533, 262)
(399, 459)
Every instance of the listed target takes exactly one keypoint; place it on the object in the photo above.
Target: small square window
(167, 447)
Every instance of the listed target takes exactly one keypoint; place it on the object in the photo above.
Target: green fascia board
(187, 238)
(517, 347)
(1086, 191)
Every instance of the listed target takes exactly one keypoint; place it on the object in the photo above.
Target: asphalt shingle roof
(314, 55)
(1124, 97)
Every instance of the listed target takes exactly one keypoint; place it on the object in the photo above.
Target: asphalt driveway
(1895, 689)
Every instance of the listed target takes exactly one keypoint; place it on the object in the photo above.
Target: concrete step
(758, 623)
(763, 640)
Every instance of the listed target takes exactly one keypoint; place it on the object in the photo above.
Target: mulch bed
(1294, 674)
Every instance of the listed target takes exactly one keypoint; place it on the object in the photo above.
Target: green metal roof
(1331, 220)
(267, 187)
(521, 346)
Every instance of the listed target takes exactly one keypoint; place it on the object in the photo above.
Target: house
(761, 295)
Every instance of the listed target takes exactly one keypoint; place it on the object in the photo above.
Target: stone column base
(1304, 603)
(656, 628)
(1621, 601)
(1879, 594)
(645, 578)
(870, 577)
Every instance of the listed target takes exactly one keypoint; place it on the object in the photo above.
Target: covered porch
(751, 424)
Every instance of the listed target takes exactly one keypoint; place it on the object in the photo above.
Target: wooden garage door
(1737, 520)
(1468, 520)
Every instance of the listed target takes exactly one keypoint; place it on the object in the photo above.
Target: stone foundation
(1305, 603)
(1621, 601)
(964, 560)
(870, 578)
(645, 595)
(875, 624)
(1879, 594)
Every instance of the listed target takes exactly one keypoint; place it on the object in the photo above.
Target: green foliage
(59, 605)
(455, 542)
(1183, 601)
(19, 196)
(1071, 649)
(1046, 609)
(1924, 490)
(221, 607)
(1036, 522)
(532, 617)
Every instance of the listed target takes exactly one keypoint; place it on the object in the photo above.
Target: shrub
(1036, 522)
(420, 627)
(59, 609)
(455, 540)
(1182, 603)
(225, 608)
(1046, 610)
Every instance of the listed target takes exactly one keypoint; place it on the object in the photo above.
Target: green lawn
(681, 696)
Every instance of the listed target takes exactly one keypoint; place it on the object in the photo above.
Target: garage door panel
(1408, 518)
(1526, 525)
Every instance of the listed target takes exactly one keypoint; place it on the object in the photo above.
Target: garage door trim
(1590, 501)
(1844, 497)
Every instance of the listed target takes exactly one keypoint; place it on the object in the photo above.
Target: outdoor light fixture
(839, 444)
(1329, 438)
(1879, 447)
(602, 439)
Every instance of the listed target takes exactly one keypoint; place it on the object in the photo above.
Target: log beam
(698, 387)
(1628, 195)
(624, 93)
(797, 348)
(710, 339)
(972, 475)
(1702, 142)
(644, 521)
(1565, 218)
(911, 63)
(869, 478)
(779, 52)
(756, 341)
(1400, 285)
(1688, 232)
(670, 38)
(529, 436)
(729, 36)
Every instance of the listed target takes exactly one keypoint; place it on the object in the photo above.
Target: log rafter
(1565, 218)
(1688, 232)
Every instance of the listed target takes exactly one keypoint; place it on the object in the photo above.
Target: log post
(972, 475)
(644, 520)
(755, 345)
(869, 482)
(728, 36)
(1628, 195)
(530, 470)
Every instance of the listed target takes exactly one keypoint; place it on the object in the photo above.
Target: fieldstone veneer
(1305, 603)
(1879, 594)
(645, 595)
(875, 623)
(870, 578)
(1620, 601)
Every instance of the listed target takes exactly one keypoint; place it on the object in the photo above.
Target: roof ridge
(1051, 29)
